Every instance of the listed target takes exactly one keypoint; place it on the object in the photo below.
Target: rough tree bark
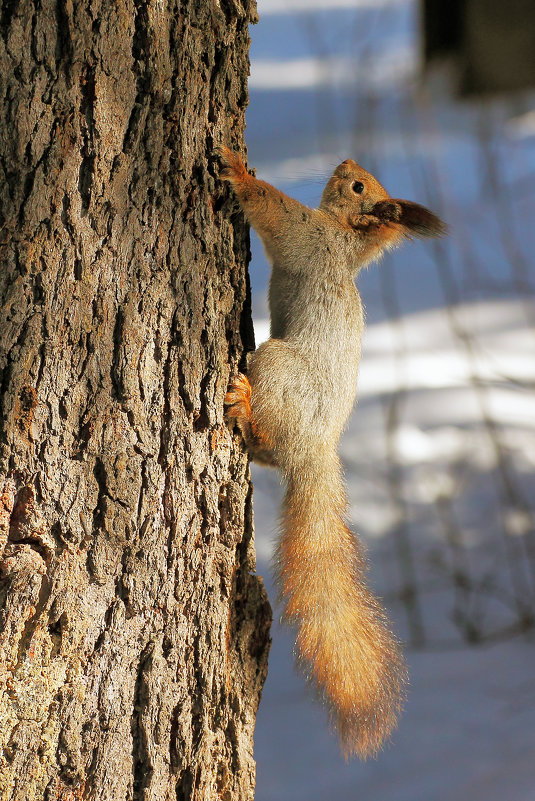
(134, 636)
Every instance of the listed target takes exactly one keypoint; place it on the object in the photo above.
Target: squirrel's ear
(419, 221)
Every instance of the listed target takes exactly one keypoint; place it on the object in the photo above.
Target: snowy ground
(468, 731)
(439, 455)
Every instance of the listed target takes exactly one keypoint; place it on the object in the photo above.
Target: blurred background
(438, 100)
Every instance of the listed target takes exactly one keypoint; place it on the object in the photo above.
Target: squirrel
(291, 409)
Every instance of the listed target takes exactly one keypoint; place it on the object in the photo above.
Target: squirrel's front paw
(387, 211)
(364, 222)
(233, 166)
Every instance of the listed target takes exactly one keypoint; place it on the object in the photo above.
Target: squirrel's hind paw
(238, 403)
(238, 398)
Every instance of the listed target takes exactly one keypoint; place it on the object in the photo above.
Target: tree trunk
(134, 637)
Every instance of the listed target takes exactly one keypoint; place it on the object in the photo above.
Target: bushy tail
(344, 643)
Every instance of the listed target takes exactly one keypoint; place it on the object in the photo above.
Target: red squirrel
(291, 409)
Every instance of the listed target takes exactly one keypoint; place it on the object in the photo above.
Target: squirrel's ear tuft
(419, 221)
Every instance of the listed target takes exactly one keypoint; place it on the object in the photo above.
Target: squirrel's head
(352, 191)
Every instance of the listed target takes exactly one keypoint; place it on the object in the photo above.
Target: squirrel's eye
(357, 187)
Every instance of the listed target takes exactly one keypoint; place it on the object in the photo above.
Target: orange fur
(343, 643)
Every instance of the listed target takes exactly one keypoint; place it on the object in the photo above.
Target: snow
(466, 733)
(468, 730)
(439, 455)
